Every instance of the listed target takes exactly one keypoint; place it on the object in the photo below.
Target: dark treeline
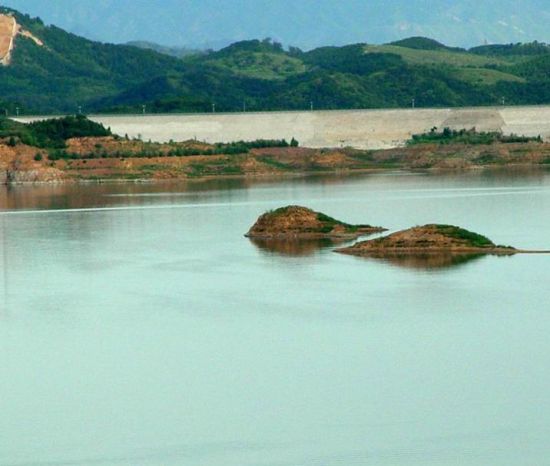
(52, 133)
(148, 150)
(471, 136)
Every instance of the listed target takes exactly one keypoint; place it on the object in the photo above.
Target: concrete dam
(362, 129)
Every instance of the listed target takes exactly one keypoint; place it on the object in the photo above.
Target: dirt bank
(121, 159)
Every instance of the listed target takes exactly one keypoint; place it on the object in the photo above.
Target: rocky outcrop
(296, 222)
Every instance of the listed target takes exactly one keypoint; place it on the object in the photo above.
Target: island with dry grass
(430, 239)
(296, 222)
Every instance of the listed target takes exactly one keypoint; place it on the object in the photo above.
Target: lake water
(139, 327)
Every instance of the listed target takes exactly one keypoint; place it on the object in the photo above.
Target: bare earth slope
(8, 31)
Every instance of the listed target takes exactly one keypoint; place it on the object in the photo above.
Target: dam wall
(362, 129)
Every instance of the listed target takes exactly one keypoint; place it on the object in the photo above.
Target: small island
(296, 222)
(429, 239)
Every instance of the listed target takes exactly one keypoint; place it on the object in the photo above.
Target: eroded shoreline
(100, 160)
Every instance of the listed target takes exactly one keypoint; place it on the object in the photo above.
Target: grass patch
(275, 163)
(332, 222)
(261, 65)
(468, 136)
(486, 76)
(199, 169)
(231, 170)
(431, 57)
(362, 156)
(473, 239)
(486, 159)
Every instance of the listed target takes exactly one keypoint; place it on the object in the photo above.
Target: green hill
(68, 72)
(178, 52)
(51, 133)
(255, 59)
(423, 43)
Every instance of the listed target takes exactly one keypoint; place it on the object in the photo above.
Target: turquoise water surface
(139, 327)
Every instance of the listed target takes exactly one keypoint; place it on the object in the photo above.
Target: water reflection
(427, 261)
(293, 248)
(109, 194)
(98, 303)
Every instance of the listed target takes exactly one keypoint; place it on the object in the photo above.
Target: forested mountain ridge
(69, 72)
(306, 23)
(178, 52)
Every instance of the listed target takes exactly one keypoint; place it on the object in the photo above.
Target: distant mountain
(304, 23)
(178, 52)
(55, 71)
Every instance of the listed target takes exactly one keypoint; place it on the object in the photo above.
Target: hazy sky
(305, 23)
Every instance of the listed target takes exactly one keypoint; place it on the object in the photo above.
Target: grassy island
(429, 239)
(296, 222)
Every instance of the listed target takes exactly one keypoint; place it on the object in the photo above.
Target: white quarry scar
(6, 51)
(5, 60)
